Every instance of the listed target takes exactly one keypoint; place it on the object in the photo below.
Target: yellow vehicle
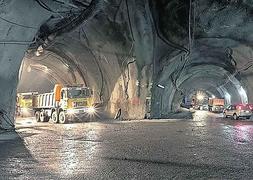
(64, 104)
(24, 104)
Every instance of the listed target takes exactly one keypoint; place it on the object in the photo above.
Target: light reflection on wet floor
(136, 149)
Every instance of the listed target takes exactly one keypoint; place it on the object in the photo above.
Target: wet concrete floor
(206, 147)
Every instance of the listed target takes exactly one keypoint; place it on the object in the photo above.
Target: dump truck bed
(45, 100)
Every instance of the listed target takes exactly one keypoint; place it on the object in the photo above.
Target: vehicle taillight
(240, 107)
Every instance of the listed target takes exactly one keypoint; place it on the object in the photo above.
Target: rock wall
(130, 93)
(17, 30)
(120, 48)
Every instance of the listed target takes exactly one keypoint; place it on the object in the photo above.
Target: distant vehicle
(187, 106)
(216, 105)
(24, 104)
(64, 104)
(204, 107)
(250, 106)
(186, 103)
(238, 111)
(196, 107)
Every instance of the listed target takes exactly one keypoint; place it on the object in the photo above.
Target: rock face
(18, 29)
(125, 49)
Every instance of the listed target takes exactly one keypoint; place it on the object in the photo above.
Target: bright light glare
(25, 109)
(243, 94)
(200, 97)
(160, 86)
(228, 98)
(71, 111)
(37, 53)
(25, 112)
(242, 91)
(91, 110)
(213, 96)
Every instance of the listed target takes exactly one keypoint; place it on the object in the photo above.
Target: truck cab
(24, 104)
(76, 100)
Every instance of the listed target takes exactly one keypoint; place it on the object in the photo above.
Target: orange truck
(216, 105)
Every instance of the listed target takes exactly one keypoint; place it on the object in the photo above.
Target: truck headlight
(91, 110)
(71, 111)
(25, 111)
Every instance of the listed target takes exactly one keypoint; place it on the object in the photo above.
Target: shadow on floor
(16, 161)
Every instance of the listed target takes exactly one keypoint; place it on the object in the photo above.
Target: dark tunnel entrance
(39, 74)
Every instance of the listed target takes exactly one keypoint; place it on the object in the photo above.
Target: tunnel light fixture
(46, 70)
(39, 51)
(160, 86)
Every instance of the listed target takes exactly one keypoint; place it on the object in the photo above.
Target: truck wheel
(46, 118)
(42, 116)
(62, 117)
(37, 116)
(55, 118)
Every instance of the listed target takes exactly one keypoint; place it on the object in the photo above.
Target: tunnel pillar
(16, 34)
(10, 60)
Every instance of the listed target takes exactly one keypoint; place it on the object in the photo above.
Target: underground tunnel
(139, 57)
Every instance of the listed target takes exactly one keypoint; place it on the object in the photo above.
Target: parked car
(238, 111)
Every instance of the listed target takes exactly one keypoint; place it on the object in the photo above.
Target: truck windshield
(79, 93)
(27, 97)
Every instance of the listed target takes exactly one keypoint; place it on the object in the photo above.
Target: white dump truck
(64, 104)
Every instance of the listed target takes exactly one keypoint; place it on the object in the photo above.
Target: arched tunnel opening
(160, 89)
(138, 74)
(50, 69)
(216, 80)
(53, 68)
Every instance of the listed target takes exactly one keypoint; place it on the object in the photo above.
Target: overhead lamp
(160, 86)
(39, 51)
